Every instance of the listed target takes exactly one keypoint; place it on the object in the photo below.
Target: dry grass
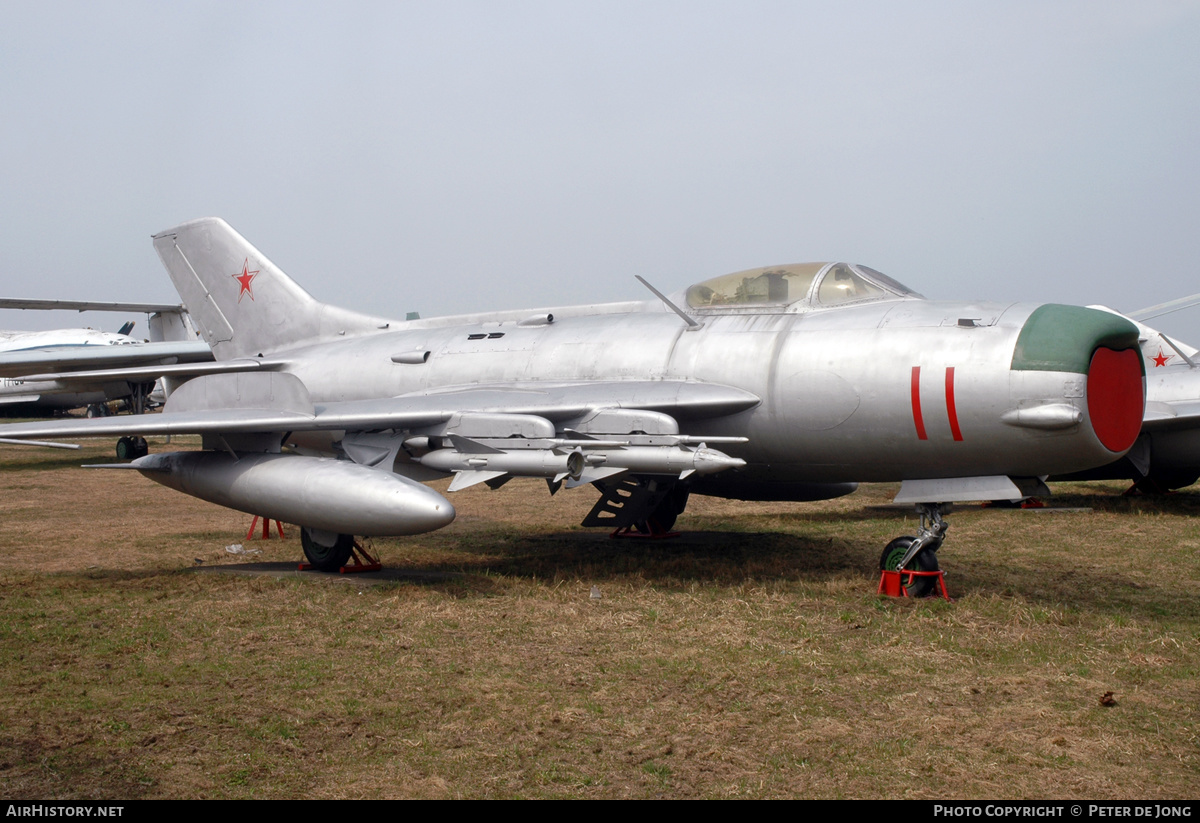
(749, 658)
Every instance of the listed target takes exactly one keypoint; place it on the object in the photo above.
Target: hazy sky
(461, 156)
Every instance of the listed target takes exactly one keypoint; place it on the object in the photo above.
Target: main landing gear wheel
(924, 561)
(662, 519)
(326, 558)
(131, 448)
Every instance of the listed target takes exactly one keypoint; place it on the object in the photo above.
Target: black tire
(327, 558)
(925, 561)
(662, 519)
(140, 447)
(126, 449)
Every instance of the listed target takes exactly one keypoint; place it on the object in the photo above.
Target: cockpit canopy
(814, 285)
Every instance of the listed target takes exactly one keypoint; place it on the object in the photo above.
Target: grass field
(748, 658)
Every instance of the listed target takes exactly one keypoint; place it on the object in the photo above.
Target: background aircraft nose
(1101, 345)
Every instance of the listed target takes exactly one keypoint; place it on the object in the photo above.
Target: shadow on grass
(1104, 589)
(729, 558)
(474, 564)
(81, 771)
(706, 557)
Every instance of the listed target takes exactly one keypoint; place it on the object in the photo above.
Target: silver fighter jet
(790, 382)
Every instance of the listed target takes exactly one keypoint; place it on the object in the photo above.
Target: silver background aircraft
(53, 370)
(790, 382)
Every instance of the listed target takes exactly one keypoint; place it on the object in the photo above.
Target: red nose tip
(1114, 397)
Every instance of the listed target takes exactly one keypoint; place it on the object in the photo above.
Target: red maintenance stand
(895, 584)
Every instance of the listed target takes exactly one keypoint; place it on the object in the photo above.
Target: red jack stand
(1146, 488)
(892, 584)
(361, 560)
(266, 528)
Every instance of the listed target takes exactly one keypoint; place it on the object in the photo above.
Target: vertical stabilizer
(241, 302)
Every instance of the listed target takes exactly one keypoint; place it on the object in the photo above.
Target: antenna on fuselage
(692, 322)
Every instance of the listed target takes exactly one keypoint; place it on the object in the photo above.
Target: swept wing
(283, 405)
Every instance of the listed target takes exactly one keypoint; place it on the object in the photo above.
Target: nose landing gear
(919, 554)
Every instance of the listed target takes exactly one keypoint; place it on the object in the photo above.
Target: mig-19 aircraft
(790, 382)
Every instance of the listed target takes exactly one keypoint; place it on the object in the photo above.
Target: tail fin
(242, 303)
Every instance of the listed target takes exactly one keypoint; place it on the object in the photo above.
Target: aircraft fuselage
(885, 391)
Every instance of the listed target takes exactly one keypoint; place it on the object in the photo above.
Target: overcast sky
(460, 156)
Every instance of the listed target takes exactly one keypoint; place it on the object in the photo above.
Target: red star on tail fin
(245, 278)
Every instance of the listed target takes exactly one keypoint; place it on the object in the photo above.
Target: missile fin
(465, 479)
(468, 446)
(592, 475)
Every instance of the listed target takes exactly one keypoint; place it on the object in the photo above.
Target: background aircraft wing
(154, 371)
(64, 358)
(1171, 415)
(88, 305)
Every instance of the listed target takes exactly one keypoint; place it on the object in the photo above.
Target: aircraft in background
(49, 371)
(782, 383)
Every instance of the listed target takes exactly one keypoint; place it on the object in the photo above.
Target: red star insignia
(1162, 359)
(245, 278)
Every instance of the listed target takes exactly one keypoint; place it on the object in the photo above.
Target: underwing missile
(484, 462)
(523, 462)
(331, 495)
(678, 460)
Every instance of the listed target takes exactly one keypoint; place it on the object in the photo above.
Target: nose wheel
(918, 554)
